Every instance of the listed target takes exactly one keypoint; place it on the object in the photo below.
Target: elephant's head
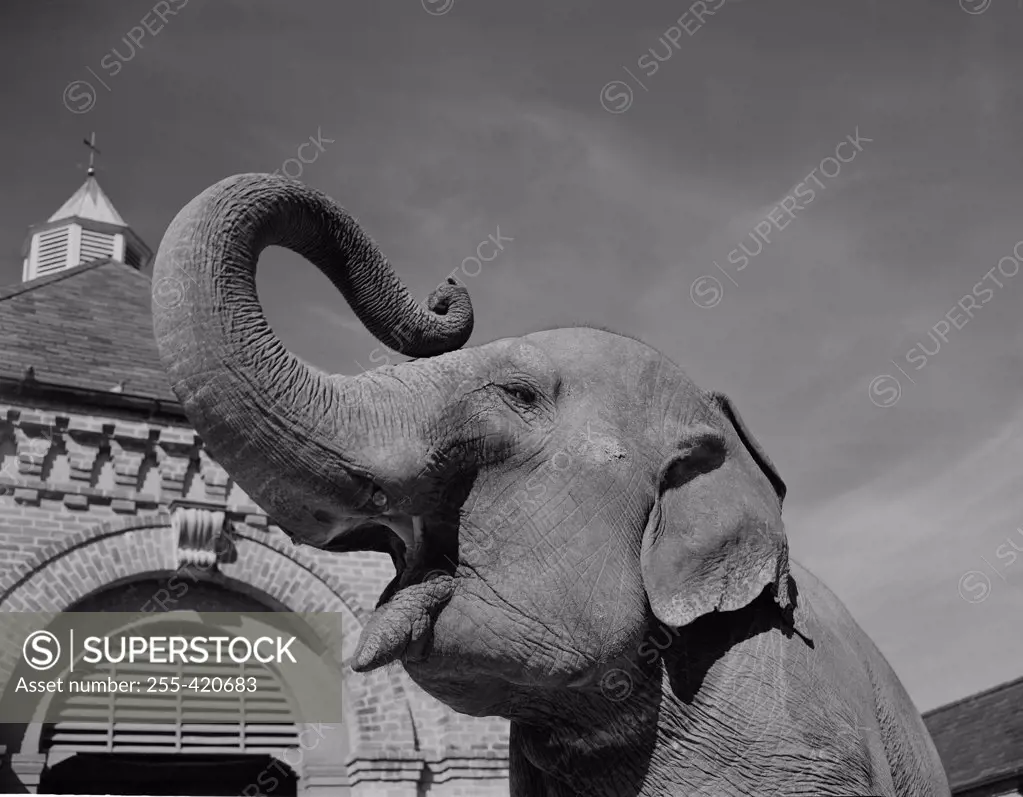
(540, 496)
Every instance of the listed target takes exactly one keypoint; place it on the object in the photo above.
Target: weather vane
(90, 142)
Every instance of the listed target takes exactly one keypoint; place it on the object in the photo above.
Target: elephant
(585, 542)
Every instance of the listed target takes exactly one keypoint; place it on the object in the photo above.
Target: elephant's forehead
(592, 353)
(589, 344)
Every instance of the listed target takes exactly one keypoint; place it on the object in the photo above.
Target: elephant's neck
(669, 725)
(595, 752)
(652, 744)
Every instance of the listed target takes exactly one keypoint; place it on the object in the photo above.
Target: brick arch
(12, 582)
(64, 573)
(44, 556)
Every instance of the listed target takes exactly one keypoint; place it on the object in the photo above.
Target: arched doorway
(112, 567)
(115, 743)
(211, 775)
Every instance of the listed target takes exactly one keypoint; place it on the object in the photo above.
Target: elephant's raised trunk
(311, 449)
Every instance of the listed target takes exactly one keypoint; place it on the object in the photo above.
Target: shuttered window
(95, 246)
(186, 721)
(52, 252)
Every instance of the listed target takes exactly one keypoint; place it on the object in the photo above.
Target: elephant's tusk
(411, 552)
(410, 534)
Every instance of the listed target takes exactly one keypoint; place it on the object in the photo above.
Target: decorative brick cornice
(175, 457)
(214, 477)
(85, 441)
(83, 449)
(34, 441)
(173, 473)
(33, 491)
(128, 454)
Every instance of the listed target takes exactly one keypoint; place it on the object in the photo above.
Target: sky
(621, 186)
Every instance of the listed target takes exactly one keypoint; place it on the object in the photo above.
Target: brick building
(106, 493)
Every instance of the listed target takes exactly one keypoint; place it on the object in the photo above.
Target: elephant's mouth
(401, 625)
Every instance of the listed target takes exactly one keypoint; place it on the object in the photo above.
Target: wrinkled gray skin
(586, 543)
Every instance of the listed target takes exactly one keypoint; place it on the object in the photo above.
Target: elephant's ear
(715, 538)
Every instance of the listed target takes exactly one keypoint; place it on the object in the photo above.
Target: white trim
(74, 246)
(30, 261)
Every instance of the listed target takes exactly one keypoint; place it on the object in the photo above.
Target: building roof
(89, 327)
(980, 738)
(89, 202)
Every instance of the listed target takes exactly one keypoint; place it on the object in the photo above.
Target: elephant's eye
(520, 393)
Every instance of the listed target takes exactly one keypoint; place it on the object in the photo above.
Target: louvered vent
(95, 246)
(186, 721)
(52, 252)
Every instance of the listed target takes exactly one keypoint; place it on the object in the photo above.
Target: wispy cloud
(925, 525)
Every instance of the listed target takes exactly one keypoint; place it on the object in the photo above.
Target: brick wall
(84, 505)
